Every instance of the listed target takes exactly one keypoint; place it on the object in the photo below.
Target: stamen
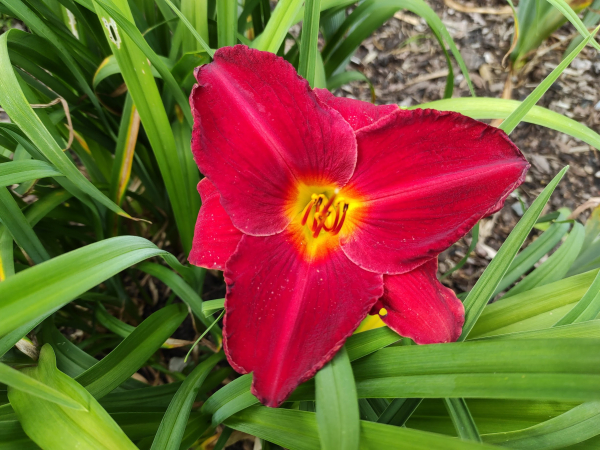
(322, 220)
(315, 222)
(322, 214)
(319, 202)
(339, 227)
(307, 211)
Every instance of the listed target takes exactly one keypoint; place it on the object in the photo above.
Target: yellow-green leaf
(53, 426)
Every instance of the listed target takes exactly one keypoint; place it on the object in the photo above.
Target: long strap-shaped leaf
(39, 27)
(297, 430)
(125, 21)
(487, 283)
(572, 17)
(574, 426)
(462, 419)
(17, 225)
(498, 108)
(484, 368)
(16, 106)
(510, 123)
(7, 263)
(133, 352)
(534, 252)
(590, 19)
(236, 395)
(184, 291)
(491, 368)
(535, 309)
(195, 11)
(589, 329)
(172, 427)
(310, 40)
(337, 406)
(39, 290)
(203, 42)
(20, 171)
(282, 18)
(124, 153)
(587, 308)
(69, 428)
(18, 380)
(556, 266)
(33, 214)
(399, 411)
(226, 22)
(135, 68)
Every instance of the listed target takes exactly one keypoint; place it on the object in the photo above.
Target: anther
(321, 219)
(339, 226)
(319, 202)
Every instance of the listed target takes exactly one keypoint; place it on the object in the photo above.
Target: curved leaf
(574, 426)
(488, 282)
(172, 427)
(19, 228)
(535, 309)
(297, 430)
(53, 426)
(555, 267)
(19, 380)
(337, 415)
(37, 291)
(27, 170)
(133, 352)
(498, 108)
(16, 106)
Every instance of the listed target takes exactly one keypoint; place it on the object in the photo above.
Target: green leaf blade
(487, 284)
(172, 427)
(68, 428)
(133, 352)
(46, 287)
(22, 382)
(337, 405)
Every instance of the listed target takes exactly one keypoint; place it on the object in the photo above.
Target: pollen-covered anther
(328, 217)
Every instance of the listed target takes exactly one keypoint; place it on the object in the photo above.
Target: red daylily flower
(321, 209)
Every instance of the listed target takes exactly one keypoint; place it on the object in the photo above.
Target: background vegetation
(98, 306)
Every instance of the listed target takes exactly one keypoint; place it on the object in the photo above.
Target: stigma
(323, 214)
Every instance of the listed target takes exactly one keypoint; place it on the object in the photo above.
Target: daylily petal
(259, 132)
(287, 315)
(357, 113)
(215, 237)
(418, 306)
(425, 177)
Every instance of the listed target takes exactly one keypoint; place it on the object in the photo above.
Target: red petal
(426, 178)
(215, 237)
(420, 307)
(357, 113)
(259, 131)
(287, 316)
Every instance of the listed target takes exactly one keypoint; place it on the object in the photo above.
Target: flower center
(323, 214)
